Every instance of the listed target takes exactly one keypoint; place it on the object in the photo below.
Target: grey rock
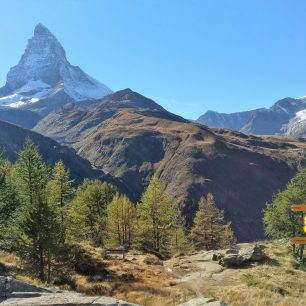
(14, 292)
(201, 301)
(63, 298)
(9, 285)
(231, 251)
(232, 260)
(235, 258)
(253, 253)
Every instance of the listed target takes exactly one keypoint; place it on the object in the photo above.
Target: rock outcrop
(14, 292)
(200, 301)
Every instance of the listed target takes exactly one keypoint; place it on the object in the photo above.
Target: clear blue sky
(188, 55)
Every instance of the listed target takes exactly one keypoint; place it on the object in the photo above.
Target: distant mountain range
(124, 138)
(285, 117)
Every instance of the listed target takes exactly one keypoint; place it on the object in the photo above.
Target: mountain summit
(285, 117)
(44, 72)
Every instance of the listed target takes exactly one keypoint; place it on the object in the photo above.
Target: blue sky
(188, 55)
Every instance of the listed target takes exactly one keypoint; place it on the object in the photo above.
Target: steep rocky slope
(130, 137)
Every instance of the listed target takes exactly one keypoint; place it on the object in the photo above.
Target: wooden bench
(120, 250)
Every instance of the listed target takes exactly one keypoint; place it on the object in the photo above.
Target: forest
(44, 213)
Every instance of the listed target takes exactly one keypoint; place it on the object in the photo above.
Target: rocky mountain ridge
(285, 117)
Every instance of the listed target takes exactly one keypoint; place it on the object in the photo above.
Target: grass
(139, 279)
(275, 283)
(142, 279)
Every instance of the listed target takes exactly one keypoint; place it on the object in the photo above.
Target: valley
(127, 137)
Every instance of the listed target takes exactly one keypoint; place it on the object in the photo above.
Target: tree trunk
(49, 268)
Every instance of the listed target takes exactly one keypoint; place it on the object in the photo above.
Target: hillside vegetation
(146, 280)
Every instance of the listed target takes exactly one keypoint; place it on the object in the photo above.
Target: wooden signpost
(299, 240)
(298, 207)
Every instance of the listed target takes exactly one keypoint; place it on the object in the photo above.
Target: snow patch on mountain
(301, 115)
(80, 86)
(31, 92)
(297, 125)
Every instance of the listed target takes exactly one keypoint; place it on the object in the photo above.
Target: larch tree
(156, 216)
(36, 226)
(210, 230)
(121, 223)
(60, 192)
(178, 239)
(87, 212)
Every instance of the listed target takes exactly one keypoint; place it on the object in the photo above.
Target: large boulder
(236, 258)
(232, 260)
(253, 253)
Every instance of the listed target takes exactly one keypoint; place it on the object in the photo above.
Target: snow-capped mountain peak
(45, 69)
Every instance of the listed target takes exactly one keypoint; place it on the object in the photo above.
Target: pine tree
(156, 214)
(60, 192)
(9, 201)
(121, 222)
(87, 212)
(210, 231)
(279, 220)
(36, 225)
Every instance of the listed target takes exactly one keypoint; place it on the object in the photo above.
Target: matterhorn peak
(41, 30)
(44, 71)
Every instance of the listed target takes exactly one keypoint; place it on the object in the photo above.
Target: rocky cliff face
(130, 137)
(44, 79)
(283, 118)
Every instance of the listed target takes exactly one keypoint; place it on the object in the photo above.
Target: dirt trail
(197, 271)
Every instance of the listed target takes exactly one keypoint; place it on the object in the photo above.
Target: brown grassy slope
(140, 279)
(275, 283)
(243, 173)
(144, 280)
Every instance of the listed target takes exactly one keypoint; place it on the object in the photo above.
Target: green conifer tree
(121, 223)
(9, 201)
(156, 215)
(36, 224)
(279, 220)
(60, 192)
(87, 212)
